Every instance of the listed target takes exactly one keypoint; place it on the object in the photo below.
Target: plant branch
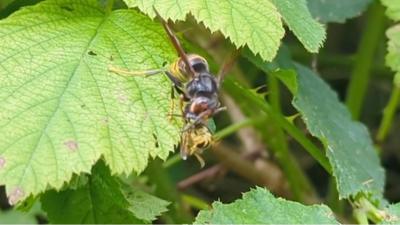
(273, 179)
(388, 114)
(372, 36)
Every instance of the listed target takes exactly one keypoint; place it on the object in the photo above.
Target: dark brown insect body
(198, 90)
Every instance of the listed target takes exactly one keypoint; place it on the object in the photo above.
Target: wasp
(198, 89)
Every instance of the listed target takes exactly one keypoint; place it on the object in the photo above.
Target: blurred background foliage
(355, 46)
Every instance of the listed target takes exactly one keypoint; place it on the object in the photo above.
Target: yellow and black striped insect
(198, 89)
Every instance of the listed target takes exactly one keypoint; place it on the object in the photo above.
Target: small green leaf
(295, 13)
(145, 206)
(100, 201)
(60, 107)
(259, 206)
(254, 23)
(337, 10)
(393, 9)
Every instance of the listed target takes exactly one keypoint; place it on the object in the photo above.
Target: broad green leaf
(60, 108)
(345, 141)
(259, 206)
(295, 13)
(393, 9)
(254, 23)
(393, 214)
(337, 10)
(101, 200)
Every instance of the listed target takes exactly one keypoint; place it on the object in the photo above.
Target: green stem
(172, 161)
(332, 198)
(195, 202)
(388, 114)
(247, 96)
(235, 127)
(364, 206)
(166, 190)
(298, 181)
(109, 6)
(360, 216)
(371, 38)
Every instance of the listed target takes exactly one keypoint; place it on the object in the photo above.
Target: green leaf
(295, 13)
(254, 23)
(16, 217)
(393, 55)
(60, 108)
(145, 206)
(259, 206)
(100, 201)
(337, 10)
(393, 9)
(393, 214)
(346, 141)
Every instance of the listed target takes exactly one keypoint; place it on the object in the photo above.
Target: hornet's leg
(172, 104)
(126, 72)
(202, 118)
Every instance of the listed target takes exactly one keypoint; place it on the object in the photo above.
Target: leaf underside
(60, 108)
(337, 10)
(295, 13)
(254, 23)
(260, 207)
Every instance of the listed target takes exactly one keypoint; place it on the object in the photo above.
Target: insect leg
(227, 66)
(172, 103)
(184, 145)
(126, 72)
(200, 159)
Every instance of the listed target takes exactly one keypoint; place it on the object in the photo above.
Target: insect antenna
(227, 66)
(176, 43)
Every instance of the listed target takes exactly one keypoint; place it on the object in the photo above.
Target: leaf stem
(246, 169)
(109, 6)
(195, 202)
(298, 181)
(235, 127)
(388, 114)
(371, 38)
(172, 161)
